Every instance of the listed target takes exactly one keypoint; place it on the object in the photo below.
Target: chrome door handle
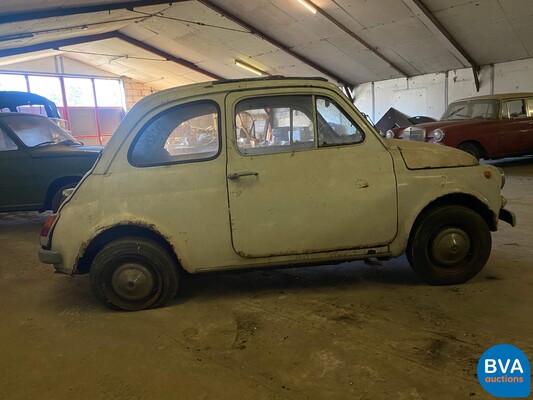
(237, 175)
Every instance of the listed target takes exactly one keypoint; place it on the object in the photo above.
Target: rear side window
(185, 133)
(514, 109)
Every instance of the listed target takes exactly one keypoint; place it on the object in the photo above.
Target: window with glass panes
(93, 107)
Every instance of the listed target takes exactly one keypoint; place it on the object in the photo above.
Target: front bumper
(50, 257)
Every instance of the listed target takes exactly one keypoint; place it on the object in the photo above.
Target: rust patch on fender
(129, 224)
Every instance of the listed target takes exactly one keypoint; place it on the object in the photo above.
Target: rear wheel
(472, 148)
(134, 274)
(57, 199)
(449, 245)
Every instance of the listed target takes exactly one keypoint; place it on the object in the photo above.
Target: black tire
(58, 196)
(472, 148)
(134, 274)
(449, 245)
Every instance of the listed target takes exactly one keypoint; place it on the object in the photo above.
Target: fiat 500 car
(487, 127)
(261, 173)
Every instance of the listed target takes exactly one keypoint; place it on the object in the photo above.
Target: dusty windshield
(38, 131)
(472, 109)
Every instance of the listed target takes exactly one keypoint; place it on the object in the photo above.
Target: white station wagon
(266, 172)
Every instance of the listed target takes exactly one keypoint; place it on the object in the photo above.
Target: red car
(486, 126)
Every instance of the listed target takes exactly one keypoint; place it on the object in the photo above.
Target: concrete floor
(345, 332)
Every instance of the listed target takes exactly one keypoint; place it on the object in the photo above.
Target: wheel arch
(459, 199)
(87, 256)
(476, 143)
(55, 185)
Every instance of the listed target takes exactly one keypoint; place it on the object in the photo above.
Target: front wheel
(134, 274)
(449, 245)
(472, 149)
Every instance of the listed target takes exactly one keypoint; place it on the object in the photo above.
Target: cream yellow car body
(346, 202)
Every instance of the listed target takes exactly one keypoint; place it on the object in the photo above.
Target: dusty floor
(345, 332)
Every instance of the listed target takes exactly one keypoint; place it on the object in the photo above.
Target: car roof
(500, 96)
(14, 99)
(21, 114)
(228, 85)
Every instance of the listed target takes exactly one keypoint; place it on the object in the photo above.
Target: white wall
(516, 76)
(430, 94)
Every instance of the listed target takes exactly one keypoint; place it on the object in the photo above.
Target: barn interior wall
(135, 91)
(430, 94)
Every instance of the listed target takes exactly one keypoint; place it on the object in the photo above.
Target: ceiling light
(17, 36)
(250, 68)
(307, 5)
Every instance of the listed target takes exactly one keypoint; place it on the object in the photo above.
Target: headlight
(438, 135)
(502, 173)
(389, 134)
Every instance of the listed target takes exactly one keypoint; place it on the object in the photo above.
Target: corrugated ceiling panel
(490, 30)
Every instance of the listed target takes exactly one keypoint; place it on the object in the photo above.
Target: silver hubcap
(450, 247)
(132, 282)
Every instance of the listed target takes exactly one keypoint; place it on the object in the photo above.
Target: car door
(516, 131)
(529, 126)
(303, 177)
(17, 178)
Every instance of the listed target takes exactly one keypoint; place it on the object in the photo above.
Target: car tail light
(44, 239)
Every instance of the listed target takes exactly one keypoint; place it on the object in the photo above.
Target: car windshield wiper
(72, 142)
(45, 143)
(455, 112)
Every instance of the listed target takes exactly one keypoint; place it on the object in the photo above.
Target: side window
(514, 109)
(274, 124)
(484, 109)
(334, 126)
(6, 144)
(530, 107)
(181, 134)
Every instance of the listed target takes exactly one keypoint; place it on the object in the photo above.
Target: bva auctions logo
(504, 371)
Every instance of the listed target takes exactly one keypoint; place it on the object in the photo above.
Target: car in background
(31, 103)
(394, 118)
(38, 160)
(487, 127)
(256, 173)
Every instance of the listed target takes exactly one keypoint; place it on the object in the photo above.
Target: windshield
(35, 131)
(472, 109)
